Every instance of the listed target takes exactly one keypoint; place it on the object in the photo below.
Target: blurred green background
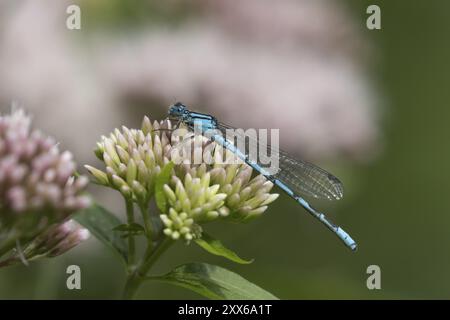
(396, 207)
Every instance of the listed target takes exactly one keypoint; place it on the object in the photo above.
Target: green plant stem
(135, 279)
(150, 260)
(148, 226)
(8, 245)
(131, 241)
(8, 262)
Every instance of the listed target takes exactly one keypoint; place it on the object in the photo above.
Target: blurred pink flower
(293, 65)
(43, 67)
(290, 65)
(57, 240)
(319, 25)
(37, 187)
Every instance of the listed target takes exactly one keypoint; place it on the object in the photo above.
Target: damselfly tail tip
(345, 237)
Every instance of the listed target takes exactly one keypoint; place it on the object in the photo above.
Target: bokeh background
(370, 106)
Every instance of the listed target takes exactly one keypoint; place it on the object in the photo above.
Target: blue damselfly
(295, 177)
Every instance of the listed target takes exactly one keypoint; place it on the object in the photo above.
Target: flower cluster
(133, 159)
(246, 198)
(193, 200)
(56, 240)
(195, 193)
(37, 187)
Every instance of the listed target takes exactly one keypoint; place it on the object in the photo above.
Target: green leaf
(101, 223)
(162, 179)
(216, 247)
(214, 282)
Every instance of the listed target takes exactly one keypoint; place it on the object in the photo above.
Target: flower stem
(150, 259)
(135, 279)
(148, 226)
(131, 242)
(8, 262)
(8, 245)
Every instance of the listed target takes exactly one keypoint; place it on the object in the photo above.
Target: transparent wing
(305, 178)
(300, 176)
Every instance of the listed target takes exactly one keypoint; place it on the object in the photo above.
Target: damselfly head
(177, 110)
